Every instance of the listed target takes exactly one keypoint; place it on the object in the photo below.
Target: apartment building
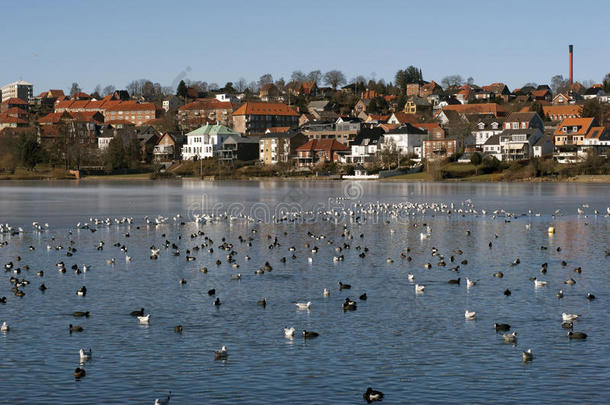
(19, 89)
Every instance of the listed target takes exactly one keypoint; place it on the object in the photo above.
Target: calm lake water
(416, 348)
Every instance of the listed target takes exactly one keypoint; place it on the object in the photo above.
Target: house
(433, 149)
(280, 147)
(255, 117)
(320, 151)
(434, 129)
(484, 128)
(492, 147)
(309, 89)
(561, 112)
(543, 147)
(136, 113)
(598, 141)
(429, 89)
(415, 105)
(361, 106)
(593, 93)
(237, 147)
(365, 146)
(305, 118)
(485, 108)
(319, 106)
(523, 120)
(204, 110)
(172, 103)
(205, 141)
(517, 144)
(572, 131)
(376, 119)
(401, 117)
(542, 95)
(268, 92)
(167, 148)
(499, 90)
(12, 103)
(404, 139)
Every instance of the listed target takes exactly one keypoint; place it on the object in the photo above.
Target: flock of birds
(359, 213)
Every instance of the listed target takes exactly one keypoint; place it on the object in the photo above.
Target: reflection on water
(412, 347)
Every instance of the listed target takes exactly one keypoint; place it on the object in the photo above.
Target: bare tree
(265, 79)
(314, 76)
(108, 90)
(298, 77)
(334, 78)
(74, 89)
(559, 84)
(452, 80)
(241, 85)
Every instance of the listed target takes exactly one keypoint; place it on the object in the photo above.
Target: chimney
(571, 65)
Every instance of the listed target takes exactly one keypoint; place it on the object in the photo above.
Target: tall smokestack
(571, 64)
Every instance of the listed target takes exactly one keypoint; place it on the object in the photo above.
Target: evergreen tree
(181, 91)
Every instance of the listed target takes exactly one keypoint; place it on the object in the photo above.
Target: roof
(492, 108)
(19, 82)
(598, 132)
(540, 93)
(562, 110)
(522, 116)
(583, 125)
(328, 145)
(308, 87)
(241, 139)
(404, 118)
(14, 100)
(287, 134)
(372, 134)
(278, 129)
(542, 140)
(213, 130)
(257, 108)
(206, 104)
(9, 119)
(318, 104)
(520, 131)
(429, 126)
(493, 140)
(408, 129)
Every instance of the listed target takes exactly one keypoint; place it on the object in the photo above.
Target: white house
(484, 129)
(544, 146)
(103, 142)
(205, 141)
(405, 139)
(365, 146)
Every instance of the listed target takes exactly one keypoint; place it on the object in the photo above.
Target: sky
(54, 43)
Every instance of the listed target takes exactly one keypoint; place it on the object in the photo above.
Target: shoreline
(591, 179)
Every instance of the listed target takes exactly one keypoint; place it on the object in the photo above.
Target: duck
(221, 353)
(344, 286)
(372, 395)
(81, 292)
(527, 355)
(349, 305)
(590, 296)
(79, 372)
(217, 302)
(470, 283)
(310, 334)
(419, 288)
(363, 297)
(501, 327)
(470, 314)
(262, 302)
(3, 300)
(42, 287)
(75, 328)
(577, 335)
(4, 327)
(289, 332)
(560, 294)
(303, 305)
(78, 314)
(410, 277)
(509, 337)
(569, 317)
(498, 274)
(539, 283)
(163, 401)
(567, 325)
(85, 355)
(182, 281)
(144, 318)
(137, 313)
(507, 292)
(178, 328)
(326, 292)
(212, 292)
(456, 281)
(570, 281)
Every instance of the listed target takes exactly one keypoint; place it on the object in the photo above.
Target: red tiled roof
(369, 94)
(328, 145)
(308, 87)
(388, 127)
(596, 132)
(256, 108)
(486, 108)
(15, 101)
(583, 123)
(540, 93)
(404, 118)
(9, 119)
(206, 104)
(16, 111)
(562, 110)
(379, 117)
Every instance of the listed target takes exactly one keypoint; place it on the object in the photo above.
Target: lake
(413, 347)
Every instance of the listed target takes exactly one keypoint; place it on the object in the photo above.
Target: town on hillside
(312, 124)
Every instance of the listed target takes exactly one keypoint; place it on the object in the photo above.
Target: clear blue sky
(53, 43)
